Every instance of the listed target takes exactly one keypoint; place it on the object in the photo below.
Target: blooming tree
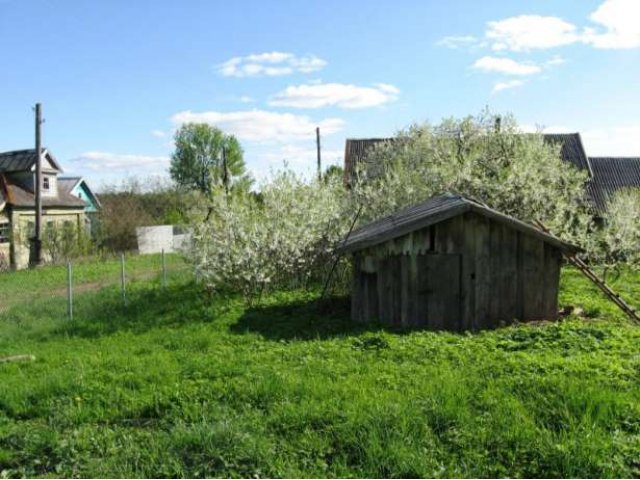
(284, 234)
(515, 173)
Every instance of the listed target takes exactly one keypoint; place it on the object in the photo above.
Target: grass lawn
(177, 384)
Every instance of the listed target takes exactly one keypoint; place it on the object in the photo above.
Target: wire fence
(82, 288)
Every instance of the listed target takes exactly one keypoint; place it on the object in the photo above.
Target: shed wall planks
(469, 272)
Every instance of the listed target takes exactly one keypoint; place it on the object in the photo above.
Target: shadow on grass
(306, 319)
(104, 313)
(284, 316)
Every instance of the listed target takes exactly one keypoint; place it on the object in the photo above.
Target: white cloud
(538, 128)
(457, 41)
(334, 94)
(498, 87)
(270, 64)
(158, 133)
(506, 66)
(621, 20)
(261, 125)
(106, 162)
(623, 140)
(555, 60)
(528, 32)
(246, 99)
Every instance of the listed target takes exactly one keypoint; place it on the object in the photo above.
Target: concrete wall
(157, 238)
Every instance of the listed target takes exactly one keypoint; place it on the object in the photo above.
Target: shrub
(283, 236)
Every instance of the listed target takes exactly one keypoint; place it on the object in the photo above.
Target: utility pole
(318, 147)
(36, 247)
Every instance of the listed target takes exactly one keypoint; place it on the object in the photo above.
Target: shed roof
(611, 174)
(431, 212)
(572, 150)
(24, 160)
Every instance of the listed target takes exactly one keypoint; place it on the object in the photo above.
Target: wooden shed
(452, 263)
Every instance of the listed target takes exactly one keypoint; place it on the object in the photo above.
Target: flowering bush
(281, 236)
(619, 238)
(517, 174)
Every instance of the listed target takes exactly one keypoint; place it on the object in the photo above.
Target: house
(64, 202)
(452, 263)
(78, 187)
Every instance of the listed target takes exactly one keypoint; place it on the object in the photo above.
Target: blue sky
(116, 78)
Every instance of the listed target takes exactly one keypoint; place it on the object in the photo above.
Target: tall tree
(201, 153)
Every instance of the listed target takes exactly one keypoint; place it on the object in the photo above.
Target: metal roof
(431, 212)
(572, 150)
(611, 174)
(20, 195)
(24, 160)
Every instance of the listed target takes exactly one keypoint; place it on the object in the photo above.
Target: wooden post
(164, 271)
(70, 290)
(36, 251)
(122, 280)
(318, 150)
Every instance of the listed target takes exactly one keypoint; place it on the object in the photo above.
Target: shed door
(439, 299)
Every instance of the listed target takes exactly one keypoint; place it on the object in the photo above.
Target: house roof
(68, 184)
(431, 212)
(572, 150)
(24, 160)
(611, 174)
(18, 194)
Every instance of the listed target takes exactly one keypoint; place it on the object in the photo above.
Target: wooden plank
(503, 274)
(406, 288)
(355, 290)
(552, 261)
(444, 307)
(422, 291)
(468, 274)
(509, 274)
(483, 273)
(533, 283)
(383, 294)
(520, 280)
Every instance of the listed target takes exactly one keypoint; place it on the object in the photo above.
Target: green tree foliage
(197, 162)
(138, 203)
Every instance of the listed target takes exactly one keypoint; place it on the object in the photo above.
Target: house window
(4, 232)
(45, 183)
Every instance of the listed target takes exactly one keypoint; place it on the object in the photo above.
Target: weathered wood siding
(465, 273)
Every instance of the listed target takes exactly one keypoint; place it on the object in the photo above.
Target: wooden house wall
(468, 272)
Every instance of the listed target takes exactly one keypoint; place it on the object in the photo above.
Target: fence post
(164, 271)
(122, 280)
(70, 290)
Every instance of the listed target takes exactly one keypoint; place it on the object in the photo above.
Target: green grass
(179, 384)
(23, 286)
